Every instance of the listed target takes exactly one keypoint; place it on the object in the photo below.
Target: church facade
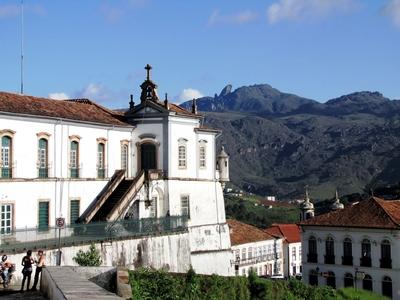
(72, 158)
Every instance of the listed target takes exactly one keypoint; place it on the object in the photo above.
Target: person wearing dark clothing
(27, 262)
(39, 265)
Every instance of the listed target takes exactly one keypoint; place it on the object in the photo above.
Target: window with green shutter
(43, 215)
(6, 157)
(74, 211)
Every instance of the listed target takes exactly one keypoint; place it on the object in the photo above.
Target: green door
(148, 156)
(43, 215)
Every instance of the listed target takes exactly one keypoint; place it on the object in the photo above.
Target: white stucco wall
(356, 235)
(169, 251)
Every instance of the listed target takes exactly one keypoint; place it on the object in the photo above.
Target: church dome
(336, 204)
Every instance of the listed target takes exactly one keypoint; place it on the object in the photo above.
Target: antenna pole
(22, 47)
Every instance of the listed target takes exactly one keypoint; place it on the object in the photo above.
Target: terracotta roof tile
(371, 213)
(242, 233)
(75, 109)
(291, 232)
(181, 110)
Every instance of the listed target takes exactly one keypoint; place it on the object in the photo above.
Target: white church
(78, 160)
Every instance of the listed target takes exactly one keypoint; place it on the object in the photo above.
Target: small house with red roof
(254, 249)
(290, 233)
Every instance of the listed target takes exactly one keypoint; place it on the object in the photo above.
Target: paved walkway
(74, 286)
(11, 294)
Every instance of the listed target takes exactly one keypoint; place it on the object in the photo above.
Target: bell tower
(307, 208)
(149, 88)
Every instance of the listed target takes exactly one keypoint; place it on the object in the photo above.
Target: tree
(90, 258)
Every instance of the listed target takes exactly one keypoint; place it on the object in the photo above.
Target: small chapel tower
(307, 208)
(336, 205)
(223, 167)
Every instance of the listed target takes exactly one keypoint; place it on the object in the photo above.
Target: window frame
(12, 214)
(187, 207)
(7, 172)
(124, 157)
(202, 154)
(74, 159)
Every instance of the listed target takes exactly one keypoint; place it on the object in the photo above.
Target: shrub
(90, 258)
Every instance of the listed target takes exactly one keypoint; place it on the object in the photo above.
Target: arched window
(329, 251)
(367, 282)
(348, 280)
(331, 280)
(43, 153)
(313, 278)
(6, 157)
(387, 289)
(202, 154)
(347, 258)
(101, 160)
(74, 159)
(312, 250)
(365, 260)
(124, 158)
(386, 255)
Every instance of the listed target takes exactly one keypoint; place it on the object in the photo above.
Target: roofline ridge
(378, 201)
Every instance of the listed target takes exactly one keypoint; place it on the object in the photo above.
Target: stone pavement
(73, 286)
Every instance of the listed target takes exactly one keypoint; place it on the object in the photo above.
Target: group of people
(27, 262)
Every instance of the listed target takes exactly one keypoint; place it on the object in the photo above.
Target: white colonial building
(254, 249)
(290, 233)
(78, 160)
(356, 246)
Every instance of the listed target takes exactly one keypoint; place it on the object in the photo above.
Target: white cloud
(306, 9)
(392, 10)
(58, 96)
(12, 10)
(112, 14)
(9, 10)
(241, 17)
(95, 91)
(189, 94)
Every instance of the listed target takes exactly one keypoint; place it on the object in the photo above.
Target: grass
(359, 294)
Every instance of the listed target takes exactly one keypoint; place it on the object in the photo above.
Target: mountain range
(279, 142)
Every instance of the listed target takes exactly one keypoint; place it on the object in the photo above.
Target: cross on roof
(148, 68)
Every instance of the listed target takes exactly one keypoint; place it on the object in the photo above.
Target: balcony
(386, 263)
(347, 260)
(330, 259)
(365, 261)
(312, 257)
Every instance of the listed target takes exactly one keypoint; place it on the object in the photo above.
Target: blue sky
(318, 49)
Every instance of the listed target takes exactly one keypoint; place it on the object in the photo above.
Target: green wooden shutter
(74, 211)
(43, 215)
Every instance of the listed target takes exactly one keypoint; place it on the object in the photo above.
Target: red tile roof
(181, 111)
(290, 232)
(371, 213)
(77, 109)
(242, 233)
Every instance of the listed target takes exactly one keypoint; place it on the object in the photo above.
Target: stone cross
(148, 68)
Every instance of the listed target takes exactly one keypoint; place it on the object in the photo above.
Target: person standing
(39, 266)
(27, 262)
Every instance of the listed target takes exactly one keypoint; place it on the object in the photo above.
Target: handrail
(20, 240)
(122, 203)
(95, 205)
